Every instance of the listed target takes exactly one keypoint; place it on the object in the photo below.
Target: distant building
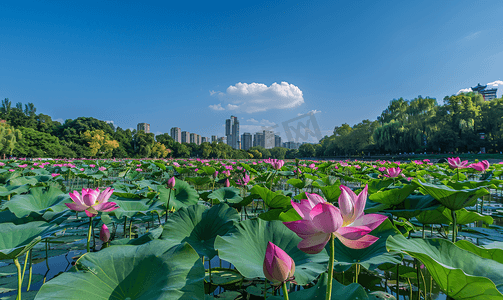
(143, 127)
(268, 139)
(214, 138)
(277, 141)
(204, 139)
(222, 140)
(291, 145)
(258, 139)
(488, 94)
(198, 139)
(232, 132)
(193, 138)
(185, 137)
(246, 141)
(176, 134)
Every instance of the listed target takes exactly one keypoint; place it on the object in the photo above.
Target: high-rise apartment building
(246, 141)
(143, 127)
(185, 137)
(277, 141)
(291, 145)
(232, 132)
(176, 134)
(198, 139)
(193, 138)
(268, 139)
(258, 139)
(214, 138)
(204, 139)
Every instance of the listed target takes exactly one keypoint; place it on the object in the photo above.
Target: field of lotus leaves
(250, 229)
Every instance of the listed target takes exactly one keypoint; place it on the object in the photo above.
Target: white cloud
(495, 83)
(252, 120)
(59, 120)
(472, 36)
(314, 111)
(252, 128)
(258, 97)
(212, 92)
(231, 106)
(464, 91)
(267, 122)
(217, 107)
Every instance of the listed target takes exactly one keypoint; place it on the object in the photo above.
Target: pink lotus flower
(278, 265)
(92, 201)
(171, 183)
(102, 168)
(227, 183)
(393, 172)
(81, 169)
(55, 174)
(382, 169)
(480, 166)
(244, 180)
(138, 169)
(215, 175)
(92, 166)
(276, 163)
(456, 163)
(104, 233)
(320, 219)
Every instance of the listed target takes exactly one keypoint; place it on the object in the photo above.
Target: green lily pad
(38, 200)
(16, 189)
(436, 216)
(223, 276)
(132, 208)
(147, 237)
(393, 196)
(245, 248)
(155, 270)
(199, 226)
(227, 195)
(461, 274)
(9, 284)
(413, 205)
(15, 240)
(271, 199)
(464, 217)
(450, 197)
(183, 196)
(494, 254)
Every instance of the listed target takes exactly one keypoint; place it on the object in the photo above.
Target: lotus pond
(199, 229)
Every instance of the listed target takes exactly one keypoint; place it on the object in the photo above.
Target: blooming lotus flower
(55, 174)
(171, 183)
(320, 219)
(393, 172)
(92, 201)
(276, 163)
(278, 266)
(102, 168)
(104, 233)
(480, 166)
(92, 166)
(244, 180)
(456, 163)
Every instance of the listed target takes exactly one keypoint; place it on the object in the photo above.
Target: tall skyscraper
(232, 132)
(143, 127)
(268, 139)
(258, 139)
(185, 137)
(198, 139)
(176, 134)
(193, 138)
(277, 141)
(246, 141)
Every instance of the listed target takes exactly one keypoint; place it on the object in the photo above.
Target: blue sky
(193, 64)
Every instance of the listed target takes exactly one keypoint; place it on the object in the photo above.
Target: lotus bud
(104, 233)
(278, 266)
(227, 183)
(215, 175)
(171, 183)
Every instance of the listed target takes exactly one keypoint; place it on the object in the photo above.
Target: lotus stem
(19, 279)
(25, 263)
(424, 235)
(125, 222)
(89, 233)
(130, 225)
(209, 269)
(265, 289)
(357, 272)
(167, 206)
(418, 280)
(285, 291)
(47, 253)
(328, 295)
(30, 273)
(454, 226)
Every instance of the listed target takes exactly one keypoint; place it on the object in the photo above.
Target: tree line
(464, 122)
